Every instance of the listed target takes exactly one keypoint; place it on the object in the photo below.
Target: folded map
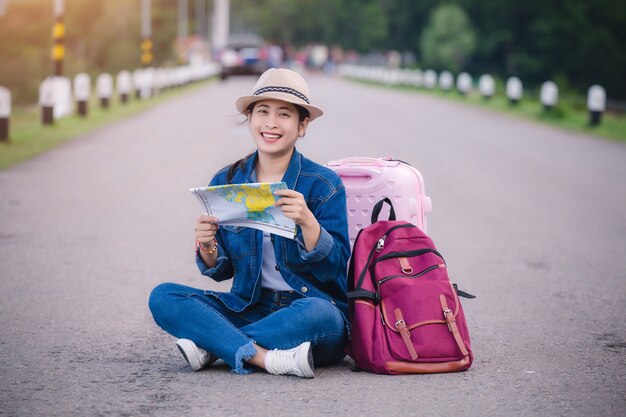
(247, 205)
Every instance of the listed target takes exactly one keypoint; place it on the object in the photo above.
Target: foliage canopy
(576, 43)
(448, 40)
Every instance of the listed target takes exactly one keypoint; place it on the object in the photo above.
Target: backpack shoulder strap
(378, 207)
(364, 294)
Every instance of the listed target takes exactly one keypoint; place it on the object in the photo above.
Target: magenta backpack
(405, 313)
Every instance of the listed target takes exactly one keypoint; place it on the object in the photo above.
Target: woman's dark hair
(302, 114)
(233, 168)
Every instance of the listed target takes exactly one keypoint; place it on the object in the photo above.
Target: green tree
(99, 37)
(407, 19)
(25, 48)
(373, 25)
(354, 24)
(579, 42)
(448, 40)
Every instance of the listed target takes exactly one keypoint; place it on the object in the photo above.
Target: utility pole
(209, 25)
(183, 32)
(201, 18)
(221, 17)
(183, 28)
(58, 33)
(146, 34)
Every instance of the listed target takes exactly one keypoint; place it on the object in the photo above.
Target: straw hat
(280, 84)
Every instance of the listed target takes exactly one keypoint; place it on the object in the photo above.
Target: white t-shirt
(270, 276)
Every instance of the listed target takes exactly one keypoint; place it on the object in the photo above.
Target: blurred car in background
(245, 54)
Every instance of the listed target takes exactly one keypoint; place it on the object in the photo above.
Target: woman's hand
(293, 205)
(206, 228)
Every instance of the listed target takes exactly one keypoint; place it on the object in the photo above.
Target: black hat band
(282, 90)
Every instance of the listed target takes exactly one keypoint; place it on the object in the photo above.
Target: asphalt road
(530, 218)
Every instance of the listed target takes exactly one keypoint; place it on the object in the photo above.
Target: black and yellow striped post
(146, 33)
(58, 34)
(146, 52)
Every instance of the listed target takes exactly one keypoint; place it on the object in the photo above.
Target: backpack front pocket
(414, 319)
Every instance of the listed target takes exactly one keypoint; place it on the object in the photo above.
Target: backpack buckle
(449, 316)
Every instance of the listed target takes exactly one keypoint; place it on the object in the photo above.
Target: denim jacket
(318, 273)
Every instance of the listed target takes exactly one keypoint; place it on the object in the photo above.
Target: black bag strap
(462, 293)
(368, 263)
(351, 264)
(364, 294)
(379, 206)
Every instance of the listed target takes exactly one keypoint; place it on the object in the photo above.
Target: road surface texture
(529, 218)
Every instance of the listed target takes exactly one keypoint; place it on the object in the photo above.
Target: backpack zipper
(408, 254)
(381, 242)
(419, 274)
(371, 254)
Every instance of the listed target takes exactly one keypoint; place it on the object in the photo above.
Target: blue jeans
(280, 320)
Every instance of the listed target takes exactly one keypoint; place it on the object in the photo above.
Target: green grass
(570, 113)
(28, 137)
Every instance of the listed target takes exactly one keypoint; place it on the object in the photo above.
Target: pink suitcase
(369, 180)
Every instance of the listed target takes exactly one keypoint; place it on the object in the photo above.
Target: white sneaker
(297, 361)
(196, 357)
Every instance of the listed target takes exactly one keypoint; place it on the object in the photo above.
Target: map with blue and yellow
(247, 205)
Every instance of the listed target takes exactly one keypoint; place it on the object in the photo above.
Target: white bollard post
(137, 80)
(446, 81)
(486, 86)
(464, 83)
(416, 78)
(142, 79)
(549, 95)
(430, 79)
(5, 113)
(596, 103)
(82, 91)
(147, 90)
(46, 101)
(104, 88)
(159, 80)
(123, 84)
(514, 90)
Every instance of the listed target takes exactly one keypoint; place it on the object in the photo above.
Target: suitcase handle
(363, 160)
(360, 172)
(363, 180)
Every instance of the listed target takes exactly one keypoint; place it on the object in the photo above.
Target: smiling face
(275, 127)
